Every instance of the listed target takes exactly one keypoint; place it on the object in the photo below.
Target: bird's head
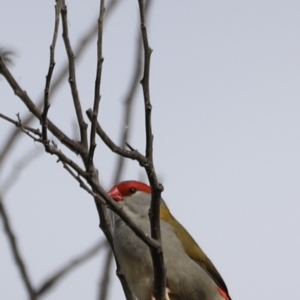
(133, 196)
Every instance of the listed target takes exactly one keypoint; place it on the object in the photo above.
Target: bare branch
(95, 186)
(58, 7)
(82, 45)
(53, 149)
(97, 95)
(62, 157)
(105, 223)
(157, 188)
(70, 266)
(21, 126)
(16, 251)
(102, 197)
(28, 132)
(72, 79)
(92, 186)
(133, 154)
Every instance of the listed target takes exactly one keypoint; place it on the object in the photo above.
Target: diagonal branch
(70, 266)
(102, 197)
(98, 192)
(16, 251)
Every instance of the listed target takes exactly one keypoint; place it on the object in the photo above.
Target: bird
(190, 273)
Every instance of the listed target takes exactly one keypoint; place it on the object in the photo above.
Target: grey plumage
(185, 278)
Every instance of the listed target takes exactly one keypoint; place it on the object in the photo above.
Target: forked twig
(82, 45)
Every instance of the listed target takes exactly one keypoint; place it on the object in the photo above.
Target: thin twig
(105, 224)
(133, 154)
(21, 126)
(120, 165)
(70, 266)
(62, 157)
(44, 124)
(72, 80)
(97, 95)
(28, 132)
(147, 162)
(16, 252)
(157, 188)
(52, 149)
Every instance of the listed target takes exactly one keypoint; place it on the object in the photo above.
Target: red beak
(115, 194)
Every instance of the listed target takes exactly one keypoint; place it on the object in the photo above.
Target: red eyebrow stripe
(125, 186)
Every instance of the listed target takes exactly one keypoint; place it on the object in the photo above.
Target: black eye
(132, 190)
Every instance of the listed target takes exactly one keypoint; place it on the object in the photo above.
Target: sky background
(226, 119)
